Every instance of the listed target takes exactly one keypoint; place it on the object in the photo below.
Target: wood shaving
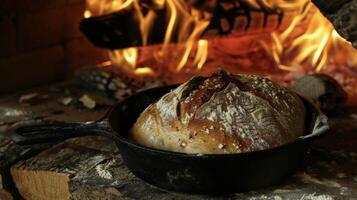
(66, 100)
(87, 101)
(221, 146)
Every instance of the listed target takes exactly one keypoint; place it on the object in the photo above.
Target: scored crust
(220, 114)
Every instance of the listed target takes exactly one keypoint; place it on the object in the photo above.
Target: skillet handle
(35, 134)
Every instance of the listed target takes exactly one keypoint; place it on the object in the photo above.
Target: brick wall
(40, 42)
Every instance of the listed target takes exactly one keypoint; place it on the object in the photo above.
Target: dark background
(40, 42)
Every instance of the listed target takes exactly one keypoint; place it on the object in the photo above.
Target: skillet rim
(300, 140)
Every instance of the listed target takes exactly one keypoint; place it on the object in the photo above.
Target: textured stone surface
(330, 171)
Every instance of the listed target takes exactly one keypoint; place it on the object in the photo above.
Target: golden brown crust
(222, 114)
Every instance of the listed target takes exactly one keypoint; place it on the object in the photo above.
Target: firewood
(343, 15)
(4, 194)
(94, 79)
(14, 114)
(121, 29)
(321, 89)
(10, 153)
(83, 168)
(114, 85)
(59, 171)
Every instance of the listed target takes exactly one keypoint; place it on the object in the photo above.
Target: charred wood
(121, 29)
(113, 85)
(343, 15)
(330, 6)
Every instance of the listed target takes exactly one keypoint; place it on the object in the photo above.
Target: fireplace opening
(174, 40)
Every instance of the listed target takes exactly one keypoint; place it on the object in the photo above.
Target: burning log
(124, 28)
(343, 15)
(110, 84)
(321, 89)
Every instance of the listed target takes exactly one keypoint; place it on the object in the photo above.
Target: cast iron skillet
(190, 173)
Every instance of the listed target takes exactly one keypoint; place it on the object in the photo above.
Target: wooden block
(10, 153)
(74, 15)
(41, 29)
(56, 185)
(83, 168)
(59, 171)
(30, 69)
(14, 114)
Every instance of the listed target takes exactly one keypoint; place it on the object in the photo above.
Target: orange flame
(311, 49)
(291, 52)
(190, 23)
(202, 53)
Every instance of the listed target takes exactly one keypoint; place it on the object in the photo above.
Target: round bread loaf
(221, 114)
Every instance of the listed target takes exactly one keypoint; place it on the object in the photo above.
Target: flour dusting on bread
(223, 113)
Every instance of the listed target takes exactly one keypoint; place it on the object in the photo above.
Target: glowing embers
(127, 59)
(304, 42)
(173, 56)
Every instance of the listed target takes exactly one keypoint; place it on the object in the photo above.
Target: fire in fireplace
(172, 40)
